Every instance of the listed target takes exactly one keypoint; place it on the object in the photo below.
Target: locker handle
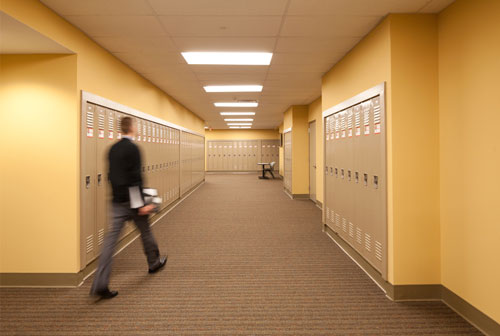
(87, 181)
(336, 172)
(342, 173)
(99, 178)
(375, 181)
(365, 179)
(349, 175)
(326, 170)
(356, 177)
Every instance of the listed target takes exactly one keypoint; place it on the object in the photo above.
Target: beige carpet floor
(244, 259)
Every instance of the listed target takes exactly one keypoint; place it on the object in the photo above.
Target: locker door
(101, 161)
(88, 184)
(358, 181)
(326, 170)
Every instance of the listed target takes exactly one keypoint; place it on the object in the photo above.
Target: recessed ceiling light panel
(240, 119)
(228, 58)
(233, 88)
(237, 113)
(236, 104)
(239, 124)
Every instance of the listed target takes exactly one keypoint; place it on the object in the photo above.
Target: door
(312, 161)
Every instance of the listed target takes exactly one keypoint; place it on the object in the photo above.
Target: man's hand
(146, 210)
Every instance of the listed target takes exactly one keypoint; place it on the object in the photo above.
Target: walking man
(126, 182)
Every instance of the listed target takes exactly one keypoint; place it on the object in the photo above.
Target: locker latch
(356, 177)
(365, 179)
(349, 175)
(375, 181)
(99, 178)
(342, 173)
(87, 181)
(336, 172)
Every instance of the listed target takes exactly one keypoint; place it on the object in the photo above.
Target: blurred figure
(128, 203)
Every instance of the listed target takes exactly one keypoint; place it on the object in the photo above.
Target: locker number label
(90, 132)
(101, 134)
(110, 136)
(367, 129)
(358, 131)
(377, 128)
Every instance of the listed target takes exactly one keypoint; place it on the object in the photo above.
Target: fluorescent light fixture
(228, 58)
(246, 127)
(233, 88)
(206, 127)
(242, 119)
(236, 104)
(237, 113)
(234, 127)
(239, 124)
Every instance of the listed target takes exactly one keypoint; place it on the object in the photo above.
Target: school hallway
(244, 259)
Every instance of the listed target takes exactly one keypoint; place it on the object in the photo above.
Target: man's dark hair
(127, 125)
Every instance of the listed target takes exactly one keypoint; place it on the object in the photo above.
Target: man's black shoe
(163, 262)
(106, 294)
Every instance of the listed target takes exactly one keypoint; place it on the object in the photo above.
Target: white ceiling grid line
(307, 38)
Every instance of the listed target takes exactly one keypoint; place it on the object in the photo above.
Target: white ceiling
(307, 38)
(17, 38)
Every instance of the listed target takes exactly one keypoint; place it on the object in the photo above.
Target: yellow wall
(366, 65)
(315, 114)
(300, 151)
(95, 70)
(296, 118)
(39, 170)
(100, 72)
(282, 153)
(243, 134)
(469, 69)
(402, 51)
(414, 124)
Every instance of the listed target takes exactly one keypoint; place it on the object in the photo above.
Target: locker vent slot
(359, 236)
(376, 111)
(349, 119)
(101, 121)
(90, 243)
(327, 213)
(337, 220)
(378, 250)
(342, 122)
(351, 230)
(111, 122)
(90, 119)
(344, 224)
(118, 123)
(357, 119)
(100, 237)
(368, 242)
(366, 114)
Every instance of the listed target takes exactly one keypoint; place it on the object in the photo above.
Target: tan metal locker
(356, 192)
(88, 183)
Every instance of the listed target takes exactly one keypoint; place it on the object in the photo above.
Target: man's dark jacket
(124, 169)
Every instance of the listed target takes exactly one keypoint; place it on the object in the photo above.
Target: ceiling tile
(436, 6)
(358, 7)
(100, 7)
(331, 44)
(133, 58)
(331, 25)
(219, 7)
(317, 68)
(123, 44)
(99, 26)
(224, 78)
(303, 58)
(206, 26)
(262, 44)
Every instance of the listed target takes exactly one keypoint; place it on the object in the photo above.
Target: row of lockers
(192, 161)
(287, 150)
(168, 158)
(355, 185)
(241, 155)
